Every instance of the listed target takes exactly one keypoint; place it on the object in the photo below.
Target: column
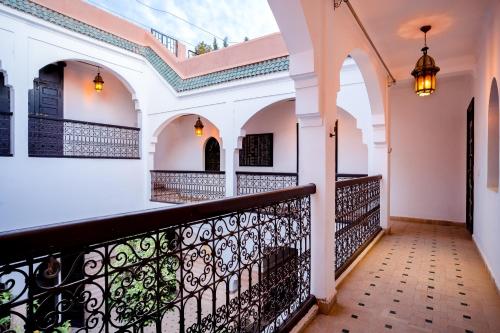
(317, 165)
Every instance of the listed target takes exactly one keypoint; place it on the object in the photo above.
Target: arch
(163, 124)
(280, 119)
(212, 154)
(352, 153)
(176, 147)
(493, 138)
(371, 81)
(115, 70)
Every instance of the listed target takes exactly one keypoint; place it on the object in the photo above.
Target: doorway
(469, 215)
(212, 155)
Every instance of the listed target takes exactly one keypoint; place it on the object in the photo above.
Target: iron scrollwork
(357, 218)
(244, 271)
(52, 137)
(256, 182)
(187, 186)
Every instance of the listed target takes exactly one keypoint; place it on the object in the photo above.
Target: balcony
(187, 186)
(239, 264)
(53, 137)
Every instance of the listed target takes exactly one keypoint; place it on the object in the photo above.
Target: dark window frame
(5, 119)
(257, 150)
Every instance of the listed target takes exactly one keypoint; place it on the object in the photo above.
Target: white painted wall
(428, 159)
(353, 153)
(113, 105)
(486, 201)
(279, 119)
(178, 148)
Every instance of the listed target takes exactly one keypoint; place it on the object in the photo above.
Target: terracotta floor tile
(421, 278)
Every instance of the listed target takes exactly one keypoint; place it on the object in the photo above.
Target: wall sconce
(198, 127)
(98, 81)
(425, 70)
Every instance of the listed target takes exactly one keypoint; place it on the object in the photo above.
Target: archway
(187, 164)
(212, 155)
(70, 117)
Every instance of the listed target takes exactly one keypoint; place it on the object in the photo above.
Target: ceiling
(394, 25)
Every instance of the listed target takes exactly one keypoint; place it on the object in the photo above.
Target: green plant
(5, 297)
(225, 42)
(202, 48)
(134, 290)
(215, 45)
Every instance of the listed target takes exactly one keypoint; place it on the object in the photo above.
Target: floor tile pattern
(421, 278)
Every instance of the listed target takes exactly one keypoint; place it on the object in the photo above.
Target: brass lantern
(198, 127)
(425, 70)
(98, 81)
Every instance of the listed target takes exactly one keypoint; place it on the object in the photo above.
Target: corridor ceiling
(394, 27)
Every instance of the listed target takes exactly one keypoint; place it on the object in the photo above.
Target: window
(5, 115)
(493, 138)
(257, 150)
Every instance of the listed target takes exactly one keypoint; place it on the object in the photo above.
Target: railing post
(317, 165)
(379, 164)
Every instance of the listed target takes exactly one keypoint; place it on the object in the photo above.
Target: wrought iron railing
(53, 137)
(5, 133)
(240, 264)
(256, 182)
(357, 218)
(187, 186)
(169, 42)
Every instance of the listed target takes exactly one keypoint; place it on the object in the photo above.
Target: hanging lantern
(425, 70)
(98, 81)
(198, 127)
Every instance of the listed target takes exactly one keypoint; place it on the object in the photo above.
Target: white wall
(178, 148)
(486, 202)
(279, 119)
(428, 159)
(353, 153)
(113, 105)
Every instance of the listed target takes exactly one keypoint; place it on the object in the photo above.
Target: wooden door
(212, 155)
(470, 168)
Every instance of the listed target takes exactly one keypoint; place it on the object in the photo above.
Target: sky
(235, 19)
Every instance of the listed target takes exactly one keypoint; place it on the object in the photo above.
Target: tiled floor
(421, 278)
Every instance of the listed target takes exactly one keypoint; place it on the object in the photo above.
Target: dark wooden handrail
(263, 173)
(188, 171)
(23, 243)
(361, 180)
(35, 116)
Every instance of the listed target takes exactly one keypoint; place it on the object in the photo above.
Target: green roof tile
(260, 68)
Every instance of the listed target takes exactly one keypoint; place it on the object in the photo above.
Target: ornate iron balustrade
(52, 137)
(187, 186)
(169, 42)
(5, 134)
(240, 264)
(357, 218)
(256, 182)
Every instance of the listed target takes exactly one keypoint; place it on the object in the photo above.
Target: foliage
(64, 328)
(5, 297)
(135, 288)
(246, 39)
(225, 42)
(215, 46)
(202, 48)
